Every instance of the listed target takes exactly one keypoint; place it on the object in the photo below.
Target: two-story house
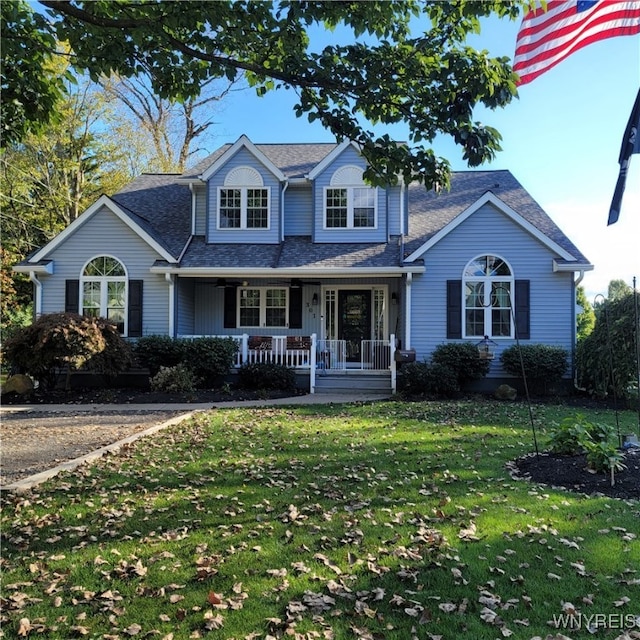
(285, 248)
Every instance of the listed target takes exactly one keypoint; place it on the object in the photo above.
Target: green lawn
(379, 521)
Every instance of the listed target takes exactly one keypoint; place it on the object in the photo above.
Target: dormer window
(243, 201)
(349, 203)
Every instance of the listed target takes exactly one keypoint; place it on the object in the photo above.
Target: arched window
(488, 293)
(349, 202)
(104, 290)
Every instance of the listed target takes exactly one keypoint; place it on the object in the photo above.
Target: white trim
(45, 269)
(262, 308)
(347, 176)
(330, 157)
(200, 272)
(490, 198)
(571, 267)
(350, 207)
(103, 201)
(243, 176)
(242, 142)
(243, 208)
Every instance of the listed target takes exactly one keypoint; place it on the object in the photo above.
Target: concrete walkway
(189, 409)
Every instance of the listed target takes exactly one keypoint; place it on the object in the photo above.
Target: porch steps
(376, 383)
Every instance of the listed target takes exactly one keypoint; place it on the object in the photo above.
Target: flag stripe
(548, 37)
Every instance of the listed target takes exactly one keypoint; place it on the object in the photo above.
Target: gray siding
(490, 232)
(185, 308)
(298, 211)
(249, 236)
(106, 234)
(379, 234)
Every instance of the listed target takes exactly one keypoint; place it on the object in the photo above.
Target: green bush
(178, 378)
(575, 434)
(427, 379)
(606, 358)
(263, 375)
(57, 341)
(544, 365)
(463, 359)
(158, 351)
(209, 358)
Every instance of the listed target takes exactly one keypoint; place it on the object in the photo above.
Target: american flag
(549, 34)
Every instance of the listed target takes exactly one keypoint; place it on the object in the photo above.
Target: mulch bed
(572, 473)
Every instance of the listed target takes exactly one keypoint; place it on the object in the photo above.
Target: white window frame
(487, 307)
(350, 206)
(244, 197)
(263, 307)
(104, 281)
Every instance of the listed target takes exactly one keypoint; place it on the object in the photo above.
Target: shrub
(263, 375)
(423, 378)
(463, 359)
(606, 358)
(67, 340)
(174, 379)
(157, 351)
(575, 434)
(210, 358)
(544, 365)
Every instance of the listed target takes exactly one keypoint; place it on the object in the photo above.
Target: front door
(354, 325)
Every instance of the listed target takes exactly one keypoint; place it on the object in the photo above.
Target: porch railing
(307, 352)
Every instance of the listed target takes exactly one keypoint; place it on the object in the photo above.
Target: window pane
(497, 267)
(363, 207)
(257, 211)
(475, 268)
(250, 307)
(500, 294)
(500, 322)
(336, 208)
(276, 307)
(104, 266)
(91, 299)
(474, 319)
(230, 208)
(474, 294)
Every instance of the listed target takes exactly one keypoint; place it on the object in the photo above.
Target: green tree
(607, 357)
(586, 318)
(31, 91)
(431, 81)
(618, 289)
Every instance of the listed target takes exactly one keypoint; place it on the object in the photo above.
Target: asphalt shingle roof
(162, 206)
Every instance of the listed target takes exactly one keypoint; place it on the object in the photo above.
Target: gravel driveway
(33, 441)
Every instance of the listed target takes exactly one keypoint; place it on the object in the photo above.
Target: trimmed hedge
(463, 359)
(263, 375)
(544, 364)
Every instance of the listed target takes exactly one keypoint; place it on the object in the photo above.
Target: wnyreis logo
(596, 621)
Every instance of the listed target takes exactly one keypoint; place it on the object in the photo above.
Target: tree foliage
(586, 319)
(431, 81)
(607, 358)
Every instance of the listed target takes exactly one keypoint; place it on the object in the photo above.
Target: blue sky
(561, 140)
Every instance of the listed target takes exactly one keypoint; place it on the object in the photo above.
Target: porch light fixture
(394, 298)
(314, 300)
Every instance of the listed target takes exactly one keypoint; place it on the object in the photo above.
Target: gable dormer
(347, 209)
(243, 196)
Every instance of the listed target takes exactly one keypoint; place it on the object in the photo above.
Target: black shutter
(230, 307)
(72, 296)
(295, 308)
(522, 310)
(135, 308)
(454, 309)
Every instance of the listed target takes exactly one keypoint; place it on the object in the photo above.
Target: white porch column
(407, 310)
(312, 363)
(172, 302)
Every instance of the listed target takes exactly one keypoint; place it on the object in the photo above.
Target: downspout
(576, 284)
(37, 303)
(172, 303)
(284, 189)
(407, 311)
